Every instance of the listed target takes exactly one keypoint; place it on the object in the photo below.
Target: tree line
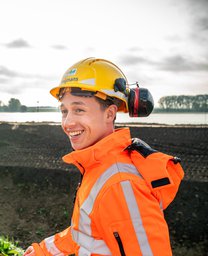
(181, 103)
(187, 103)
(14, 105)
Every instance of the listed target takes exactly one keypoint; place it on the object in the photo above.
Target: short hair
(108, 102)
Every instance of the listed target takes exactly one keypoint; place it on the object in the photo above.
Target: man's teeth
(75, 133)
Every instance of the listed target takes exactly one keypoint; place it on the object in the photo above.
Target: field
(37, 188)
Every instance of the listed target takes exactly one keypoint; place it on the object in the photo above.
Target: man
(125, 184)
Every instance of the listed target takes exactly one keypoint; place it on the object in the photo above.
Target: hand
(29, 252)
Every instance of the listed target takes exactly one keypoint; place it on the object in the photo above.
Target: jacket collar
(85, 158)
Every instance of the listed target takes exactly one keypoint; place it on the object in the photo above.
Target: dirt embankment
(37, 188)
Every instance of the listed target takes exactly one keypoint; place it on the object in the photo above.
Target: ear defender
(140, 100)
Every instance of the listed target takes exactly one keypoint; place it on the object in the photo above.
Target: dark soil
(37, 188)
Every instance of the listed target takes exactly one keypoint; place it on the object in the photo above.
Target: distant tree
(14, 105)
(23, 108)
(184, 102)
(5, 108)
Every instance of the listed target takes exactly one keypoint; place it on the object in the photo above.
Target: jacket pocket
(120, 244)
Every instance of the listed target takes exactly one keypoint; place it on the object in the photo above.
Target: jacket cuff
(38, 250)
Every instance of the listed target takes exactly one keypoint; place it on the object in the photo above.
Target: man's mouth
(75, 133)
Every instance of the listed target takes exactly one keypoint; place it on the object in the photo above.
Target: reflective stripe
(113, 93)
(87, 206)
(136, 218)
(89, 244)
(51, 247)
(90, 81)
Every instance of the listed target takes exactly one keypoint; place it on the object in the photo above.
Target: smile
(75, 133)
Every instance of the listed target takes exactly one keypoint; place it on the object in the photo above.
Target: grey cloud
(197, 6)
(3, 80)
(59, 47)
(199, 23)
(18, 43)
(174, 38)
(13, 90)
(132, 60)
(7, 72)
(135, 49)
(19, 86)
(178, 63)
(175, 63)
(15, 82)
(202, 23)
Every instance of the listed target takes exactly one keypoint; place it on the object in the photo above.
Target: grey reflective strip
(113, 93)
(51, 247)
(136, 218)
(90, 81)
(83, 252)
(87, 206)
(89, 244)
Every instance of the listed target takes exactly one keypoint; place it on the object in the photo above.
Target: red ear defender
(140, 102)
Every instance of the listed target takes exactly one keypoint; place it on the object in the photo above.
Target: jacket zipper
(77, 188)
(120, 244)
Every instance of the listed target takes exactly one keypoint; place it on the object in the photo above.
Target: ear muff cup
(140, 102)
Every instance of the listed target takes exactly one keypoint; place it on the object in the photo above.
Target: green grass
(9, 248)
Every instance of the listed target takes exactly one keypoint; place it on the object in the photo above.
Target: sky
(161, 44)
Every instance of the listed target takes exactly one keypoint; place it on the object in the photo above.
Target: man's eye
(78, 110)
(64, 111)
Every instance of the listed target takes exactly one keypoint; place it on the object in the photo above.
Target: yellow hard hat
(100, 76)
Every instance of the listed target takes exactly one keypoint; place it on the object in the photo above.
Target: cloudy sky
(162, 44)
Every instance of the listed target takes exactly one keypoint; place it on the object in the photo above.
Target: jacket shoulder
(141, 147)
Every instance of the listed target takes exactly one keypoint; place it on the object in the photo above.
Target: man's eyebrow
(78, 103)
(75, 103)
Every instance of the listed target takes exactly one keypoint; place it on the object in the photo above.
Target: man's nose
(69, 121)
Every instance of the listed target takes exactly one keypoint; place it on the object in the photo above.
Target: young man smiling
(125, 184)
(85, 121)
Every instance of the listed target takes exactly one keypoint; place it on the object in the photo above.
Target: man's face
(84, 121)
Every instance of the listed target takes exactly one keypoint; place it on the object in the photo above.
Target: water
(159, 118)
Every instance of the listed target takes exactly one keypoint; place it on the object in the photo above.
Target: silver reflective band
(89, 244)
(87, 206)
(114, 94)
(136, 218)
(51, 247)
(90, 81)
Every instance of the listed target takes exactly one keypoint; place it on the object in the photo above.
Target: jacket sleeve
(60, 244)
(131, 221)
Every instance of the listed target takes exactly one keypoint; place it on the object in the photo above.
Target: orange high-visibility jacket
(119, 204)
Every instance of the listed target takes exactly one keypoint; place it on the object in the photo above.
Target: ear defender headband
(140, 100)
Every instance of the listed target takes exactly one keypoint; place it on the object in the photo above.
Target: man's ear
(111, 113)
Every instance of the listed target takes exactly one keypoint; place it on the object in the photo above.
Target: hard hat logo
(70, 79)
(72, 72)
